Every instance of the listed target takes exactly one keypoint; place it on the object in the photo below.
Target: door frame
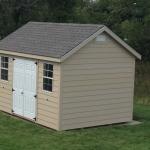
(36, 89)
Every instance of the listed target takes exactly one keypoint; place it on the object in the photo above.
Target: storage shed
(67, 76)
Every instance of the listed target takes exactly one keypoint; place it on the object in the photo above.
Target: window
(101, 38)
(4, 68)
(47, 77)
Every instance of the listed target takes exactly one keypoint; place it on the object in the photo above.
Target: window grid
(47, 77)
(4, 68)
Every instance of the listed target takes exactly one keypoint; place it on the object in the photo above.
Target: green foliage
(142, 83)
(129, 19)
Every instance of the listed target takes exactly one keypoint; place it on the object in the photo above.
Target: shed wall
(97, 85)
(48, 103)
(6, 89)
(47, 111)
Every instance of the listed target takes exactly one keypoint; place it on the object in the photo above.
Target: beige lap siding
(97, 85)
(47, 103)
(6, 89)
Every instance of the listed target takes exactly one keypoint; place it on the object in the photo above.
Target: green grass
(17, 134)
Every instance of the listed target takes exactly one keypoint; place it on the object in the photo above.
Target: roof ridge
(73, 24)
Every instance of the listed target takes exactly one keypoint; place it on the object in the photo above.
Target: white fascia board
(119, 40)
(15, 54)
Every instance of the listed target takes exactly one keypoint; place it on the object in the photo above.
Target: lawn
(17, 134)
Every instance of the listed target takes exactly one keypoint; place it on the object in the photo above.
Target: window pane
(2, 58)
(50, 81)
(4, 74)
(45, 87)
(50, 74)
(50, 67)
(5, 71)
(49, 88)
(6, 77)
(6, 59)
(2, 71)
(47, 73)
(45, 66)
(2, 65)
(6, 65)
(44, 73)
(47, 81)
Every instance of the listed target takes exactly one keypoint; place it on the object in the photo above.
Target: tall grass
(142, 83)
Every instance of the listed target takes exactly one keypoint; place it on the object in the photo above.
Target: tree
(15, 13)
(128, 19)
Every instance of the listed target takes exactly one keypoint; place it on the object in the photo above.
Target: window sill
(3, 80)
(47, 91)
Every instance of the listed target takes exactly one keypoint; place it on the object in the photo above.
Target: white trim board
(119, 40)
(31, 56)
(86, 41)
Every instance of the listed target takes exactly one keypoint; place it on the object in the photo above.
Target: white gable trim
(119, 40)
(131, 50)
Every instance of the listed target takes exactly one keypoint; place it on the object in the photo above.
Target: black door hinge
(12, 111)
(36, 63)
(14, 59)
(13, 90)
(34, 118)
(35, 96)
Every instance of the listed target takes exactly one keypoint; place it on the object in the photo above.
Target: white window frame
(4, 68)
(101, 38)
(47, 77)
(96, 41)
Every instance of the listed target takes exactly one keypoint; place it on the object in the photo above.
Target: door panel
(18, 86)
(24, 88)
(29, 89)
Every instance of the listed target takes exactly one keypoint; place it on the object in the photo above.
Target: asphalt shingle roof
(48, 39)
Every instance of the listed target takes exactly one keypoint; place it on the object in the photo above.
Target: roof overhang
(86, 41)
(119, 40)
(29, 56)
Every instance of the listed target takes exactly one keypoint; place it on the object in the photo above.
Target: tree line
(130, 19)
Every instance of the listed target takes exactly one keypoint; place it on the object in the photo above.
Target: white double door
(24, 88)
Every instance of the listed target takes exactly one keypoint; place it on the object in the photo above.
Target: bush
(142, 83)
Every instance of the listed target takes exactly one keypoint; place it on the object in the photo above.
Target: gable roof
(48, 39)
(107, 30)
(55, 40)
